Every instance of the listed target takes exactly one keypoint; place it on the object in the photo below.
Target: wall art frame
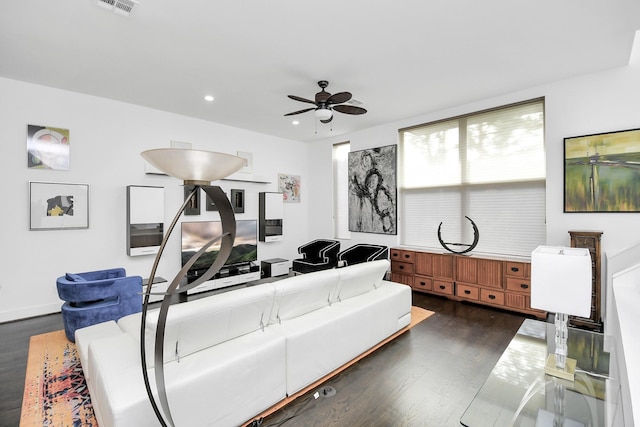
(237, 200)
(289, 186)
(193, 208)
(48, 147)
(58, 206)
(373, 190)
(602, 172)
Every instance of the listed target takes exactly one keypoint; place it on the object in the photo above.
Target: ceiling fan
(325, 104)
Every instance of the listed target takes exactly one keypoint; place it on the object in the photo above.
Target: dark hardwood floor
(425, 377)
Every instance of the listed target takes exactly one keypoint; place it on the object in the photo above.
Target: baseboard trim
(25, 313)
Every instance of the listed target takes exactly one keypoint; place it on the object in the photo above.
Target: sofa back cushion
(302, 294)
(360, 278)
(205, 322)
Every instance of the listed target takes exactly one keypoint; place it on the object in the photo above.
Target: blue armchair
(320, 254)
(96, 297)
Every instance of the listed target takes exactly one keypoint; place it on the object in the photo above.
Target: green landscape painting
(602, 172)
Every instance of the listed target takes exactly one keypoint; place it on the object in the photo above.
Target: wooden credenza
(499, 283)
(591, 241)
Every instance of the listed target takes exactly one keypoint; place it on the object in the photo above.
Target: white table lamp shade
(561, 280)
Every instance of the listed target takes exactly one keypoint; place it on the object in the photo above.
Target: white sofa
(230, 356)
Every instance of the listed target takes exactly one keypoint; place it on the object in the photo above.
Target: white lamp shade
(561, 280)
(193, 165)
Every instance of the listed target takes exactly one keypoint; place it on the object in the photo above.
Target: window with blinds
(341, 190)
(488, 166)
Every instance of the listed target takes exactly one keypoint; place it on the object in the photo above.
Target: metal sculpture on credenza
(198, 169)
(470, 247)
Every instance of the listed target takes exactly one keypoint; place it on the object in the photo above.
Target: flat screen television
(198, 233)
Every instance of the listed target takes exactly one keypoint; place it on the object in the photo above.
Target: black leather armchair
(319, 254)
(362, 252)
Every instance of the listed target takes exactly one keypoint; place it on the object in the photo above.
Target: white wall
(106, 139)
(595, 103)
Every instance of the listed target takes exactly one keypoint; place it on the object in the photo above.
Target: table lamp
(561, 284)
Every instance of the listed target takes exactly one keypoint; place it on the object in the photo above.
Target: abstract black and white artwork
(372, 190)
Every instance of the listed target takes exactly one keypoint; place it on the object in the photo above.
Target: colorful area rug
(55, 392)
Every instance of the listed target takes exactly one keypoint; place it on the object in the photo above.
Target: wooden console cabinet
(591, 241)
(499, 283)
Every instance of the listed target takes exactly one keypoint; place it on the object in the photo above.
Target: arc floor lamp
(197, 168)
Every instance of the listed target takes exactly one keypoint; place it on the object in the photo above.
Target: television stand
(229, 276)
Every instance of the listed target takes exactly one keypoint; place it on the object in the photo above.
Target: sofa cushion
(360, 278)
(205, 322)
(222, 385)
(85, 336)
(296, 296)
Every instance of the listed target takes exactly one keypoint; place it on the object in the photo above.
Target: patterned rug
(55, 392)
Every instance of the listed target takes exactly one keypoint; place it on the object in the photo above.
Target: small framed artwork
(47, 148)
(237, 201)
(193, 207)
(56, 206)
(289, 186)
(602, 172)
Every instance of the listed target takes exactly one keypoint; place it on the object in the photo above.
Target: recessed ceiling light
(208, 98)
(295, 122)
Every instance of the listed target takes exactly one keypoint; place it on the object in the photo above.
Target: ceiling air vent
(121, 7)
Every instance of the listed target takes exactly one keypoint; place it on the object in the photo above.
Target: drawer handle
(443, 287)
(492, 297)
(402, 267)
(423, 284)
(394, 254)
(467, 292)
(524, 285)
(407, 255)
(515, 269)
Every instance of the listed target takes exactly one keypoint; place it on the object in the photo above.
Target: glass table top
(519, 393)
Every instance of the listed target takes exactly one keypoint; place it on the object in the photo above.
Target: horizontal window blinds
(490, 167)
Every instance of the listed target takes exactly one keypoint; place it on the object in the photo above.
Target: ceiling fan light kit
(323, 114)
(326, 103)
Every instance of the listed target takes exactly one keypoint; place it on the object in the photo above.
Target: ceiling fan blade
(299, 111)
(328, 120)
(349, 109)
(339, 98)
(322, 96)
(297, 98)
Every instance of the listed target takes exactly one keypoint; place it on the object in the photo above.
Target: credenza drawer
(518, 285)
(468, 292)
(402, 267)
(514, 269)
(443, 287)
(492, 297)
(401, 255)
(421, 283)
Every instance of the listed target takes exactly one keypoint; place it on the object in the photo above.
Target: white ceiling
(400, 58)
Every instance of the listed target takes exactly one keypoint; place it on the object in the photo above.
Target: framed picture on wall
(602, 172)
(373, 190)
(47, 147)
(289, 186)
(56, 206)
